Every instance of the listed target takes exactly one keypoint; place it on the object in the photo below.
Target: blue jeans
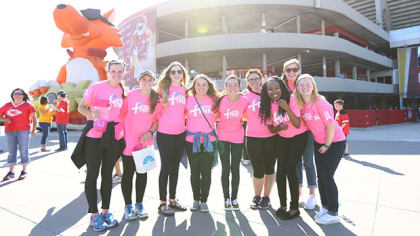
(17, 139)
(62, 135)
(308, 163)
(45, 130)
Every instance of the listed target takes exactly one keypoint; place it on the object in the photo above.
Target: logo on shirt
(231, 113)
(308, 116)
(115, 102)
(255, 104)
(327, 116)
(140, 108)
(278, 119)
(206, 109)
(13, 112)
(176, 98)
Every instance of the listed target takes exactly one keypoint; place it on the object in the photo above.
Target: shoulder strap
(211, 127)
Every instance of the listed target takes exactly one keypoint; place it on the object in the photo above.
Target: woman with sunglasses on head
(200, 138)
(260, 143)
(230, 110)
(139, 117)
(329, 144)
(46, 112)
(101, 142)
(282, 115)
(171, 133)
(291, 71)
(17, 116)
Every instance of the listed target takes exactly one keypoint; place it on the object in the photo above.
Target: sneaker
(165, 210)
(116, 179)
(59, 150)
(289, 216)
(204, 207)
(97, 223)
(110, 219)
(281, 212)
(129, 213)
(321, 212)
(235, 205)
(255, 202)
(195, 206)
(228, 205)
(265, 203)
(45, 150)
(175, 205)
(22, 175)
(246, 162)
(9, 175)
(310, 203)
(141, 212)
(327, 219)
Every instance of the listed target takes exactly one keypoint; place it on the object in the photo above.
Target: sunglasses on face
(173, 72)
(253, 79)
(17, 93)
(288, 70)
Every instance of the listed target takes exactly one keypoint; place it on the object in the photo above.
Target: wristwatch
(325, 145)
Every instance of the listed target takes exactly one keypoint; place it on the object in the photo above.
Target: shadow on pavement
(167, 226)
(383, 148)
(372, 165)
(244, 228)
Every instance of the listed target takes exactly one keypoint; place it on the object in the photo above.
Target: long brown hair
(154, 96)
(211, 92)
(216, 106)
(108, 67)
(165, 80)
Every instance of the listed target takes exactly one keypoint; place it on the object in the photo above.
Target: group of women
(281, 114)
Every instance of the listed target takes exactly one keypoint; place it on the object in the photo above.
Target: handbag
(145, 159)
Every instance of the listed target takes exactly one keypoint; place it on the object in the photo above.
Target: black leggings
(262, 153)
(127, 180)
(289, 152)
(171, 148)
(96, 154)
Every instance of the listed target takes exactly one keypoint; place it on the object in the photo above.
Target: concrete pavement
(378, 186)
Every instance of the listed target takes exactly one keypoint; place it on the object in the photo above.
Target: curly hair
(250, 72)
(265, 107)
(165, 80)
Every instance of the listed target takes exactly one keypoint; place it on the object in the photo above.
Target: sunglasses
(254, 79)
(288, 70)
(173, 72)
(18, 93)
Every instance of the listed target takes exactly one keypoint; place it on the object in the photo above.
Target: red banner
(386, 117)
(362, 118)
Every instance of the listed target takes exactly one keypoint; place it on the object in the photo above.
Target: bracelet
(325, 145)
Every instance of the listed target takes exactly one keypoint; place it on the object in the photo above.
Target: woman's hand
(283, 126)
(33, 133)
(7, 120)
(146, 136)
(283, 104)
(94, 114)
(322, 149)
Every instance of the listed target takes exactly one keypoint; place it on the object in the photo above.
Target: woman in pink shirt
(230, 110)
(139, 117)
(282, 115)
(171, 133)
(329, 144)
(260, 143)
(101, 142)
(201, 138)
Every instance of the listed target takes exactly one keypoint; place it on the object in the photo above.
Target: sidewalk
(379, 194)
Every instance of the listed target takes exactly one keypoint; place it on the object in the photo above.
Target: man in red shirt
(343, 120)
(62, 119)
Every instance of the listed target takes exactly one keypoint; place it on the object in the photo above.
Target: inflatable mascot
(88, 34)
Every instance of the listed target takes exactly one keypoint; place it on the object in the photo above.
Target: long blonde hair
(314, 96)
(165, 80)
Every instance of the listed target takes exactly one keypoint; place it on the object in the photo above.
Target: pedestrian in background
(343, 120)
(62, 119)
(46, 112)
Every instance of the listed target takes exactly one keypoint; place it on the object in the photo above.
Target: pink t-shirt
(291, 85)
(137, 120)
(230, 116)
(255, 128)
(108, 100)
(172, 119)
(317, 117)
(195, 120)
(277, 119)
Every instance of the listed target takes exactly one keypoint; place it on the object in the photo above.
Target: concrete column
(298, 24)
(264, 23)
(324, 66)
(186, 64)
(224, 26)
(186, 28)
(368, 75)
(265, 63)
(273, 70)
(336, 67)
(322, 27)
(224, 67)
(378, 8)
(300, 58)
(354, 72)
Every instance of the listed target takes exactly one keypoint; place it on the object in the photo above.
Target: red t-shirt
(63, 117)
(341, 118)
(18, 115)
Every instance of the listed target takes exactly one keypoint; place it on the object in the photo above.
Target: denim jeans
(17, 139)
(308, 163)
(45, 130)
(62, 134)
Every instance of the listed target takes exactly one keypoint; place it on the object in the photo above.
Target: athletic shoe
(175, 205)
(97, 223)
(59, 150)
(22, 175)
(327, 219)
(110, 219)
(116, 179)
(235, 205)
(321, 212)
(310, 203)
(255, 202)
(246, 162)
(281, 213)
(9, 175)
(165, 210)
(228, 205)
(45, 150)
(265, 203)
(141, 212)
(289, 216)
(195, 206)
(129, 213)
(204, 207)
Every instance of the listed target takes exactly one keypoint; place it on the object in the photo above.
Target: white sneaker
(246, 162)
(116, 179)
(322, 212)
(327, 219)
(310, 203)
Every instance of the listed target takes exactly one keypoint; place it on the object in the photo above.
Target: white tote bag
(145, 159)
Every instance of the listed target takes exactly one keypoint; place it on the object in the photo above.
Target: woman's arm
(293, 118)
(83, 108)
(34, 123)
(329, 138)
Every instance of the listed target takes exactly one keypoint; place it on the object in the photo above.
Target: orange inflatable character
(89, 34)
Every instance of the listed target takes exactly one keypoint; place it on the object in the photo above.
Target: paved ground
(379, 195)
